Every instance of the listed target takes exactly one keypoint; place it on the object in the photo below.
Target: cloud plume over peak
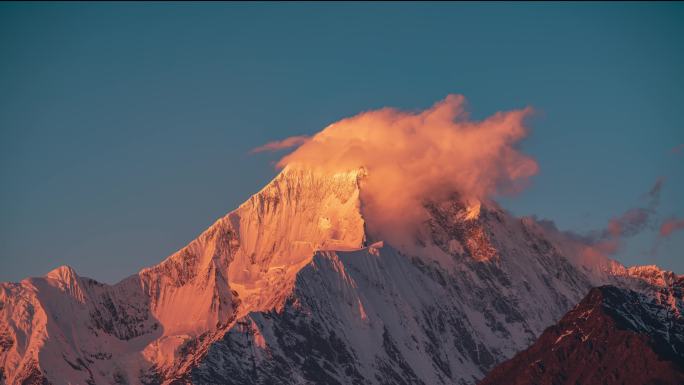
(415, 156)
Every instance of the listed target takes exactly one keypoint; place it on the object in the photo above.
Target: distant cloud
(608, 241)
(292, 141)
(635, 220)
(654, 193)
(632, 222)
(678, 149)
(670, 226)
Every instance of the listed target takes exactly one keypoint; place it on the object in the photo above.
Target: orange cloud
(630, 223)
(670, 226)
(411, 157)
(601, 249)
(292, 141)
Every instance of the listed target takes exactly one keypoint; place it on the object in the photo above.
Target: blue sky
(125, 129)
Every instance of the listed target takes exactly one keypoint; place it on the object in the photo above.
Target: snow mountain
(290, 288)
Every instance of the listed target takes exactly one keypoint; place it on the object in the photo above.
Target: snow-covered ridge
(59, 325)
(297, 249)
(655, 275)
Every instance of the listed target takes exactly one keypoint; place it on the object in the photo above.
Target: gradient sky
(125, 129)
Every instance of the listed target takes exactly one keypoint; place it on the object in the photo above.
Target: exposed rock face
(285, 289)
(614, 336)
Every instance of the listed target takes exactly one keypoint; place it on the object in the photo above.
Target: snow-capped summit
(656, 276)
(63, 273)
(286, 289)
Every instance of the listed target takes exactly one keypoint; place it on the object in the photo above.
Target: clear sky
(125, 129)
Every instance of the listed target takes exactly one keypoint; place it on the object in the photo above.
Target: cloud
(670, 226)
(292, 141)
(411, 157)
(601, 249)
(635, 220)
(608, 241)
(632, 222)
(654, 192)
(678, 149)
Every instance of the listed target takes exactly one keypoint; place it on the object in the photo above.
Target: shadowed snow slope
(285, 290)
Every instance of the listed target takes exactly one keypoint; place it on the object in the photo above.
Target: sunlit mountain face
(376, 256)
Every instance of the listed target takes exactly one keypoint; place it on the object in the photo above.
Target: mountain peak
(64, 273)
(248, 260)
(65, 276)
(289, 266)
(613, 336)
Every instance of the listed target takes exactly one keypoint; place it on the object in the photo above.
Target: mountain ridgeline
(291, 288)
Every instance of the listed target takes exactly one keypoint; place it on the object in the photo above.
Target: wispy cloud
(635, 220)
(678, 149)
(631, 223)
(607, 242)
(670, 226)
(654, 192)
(277, 145)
